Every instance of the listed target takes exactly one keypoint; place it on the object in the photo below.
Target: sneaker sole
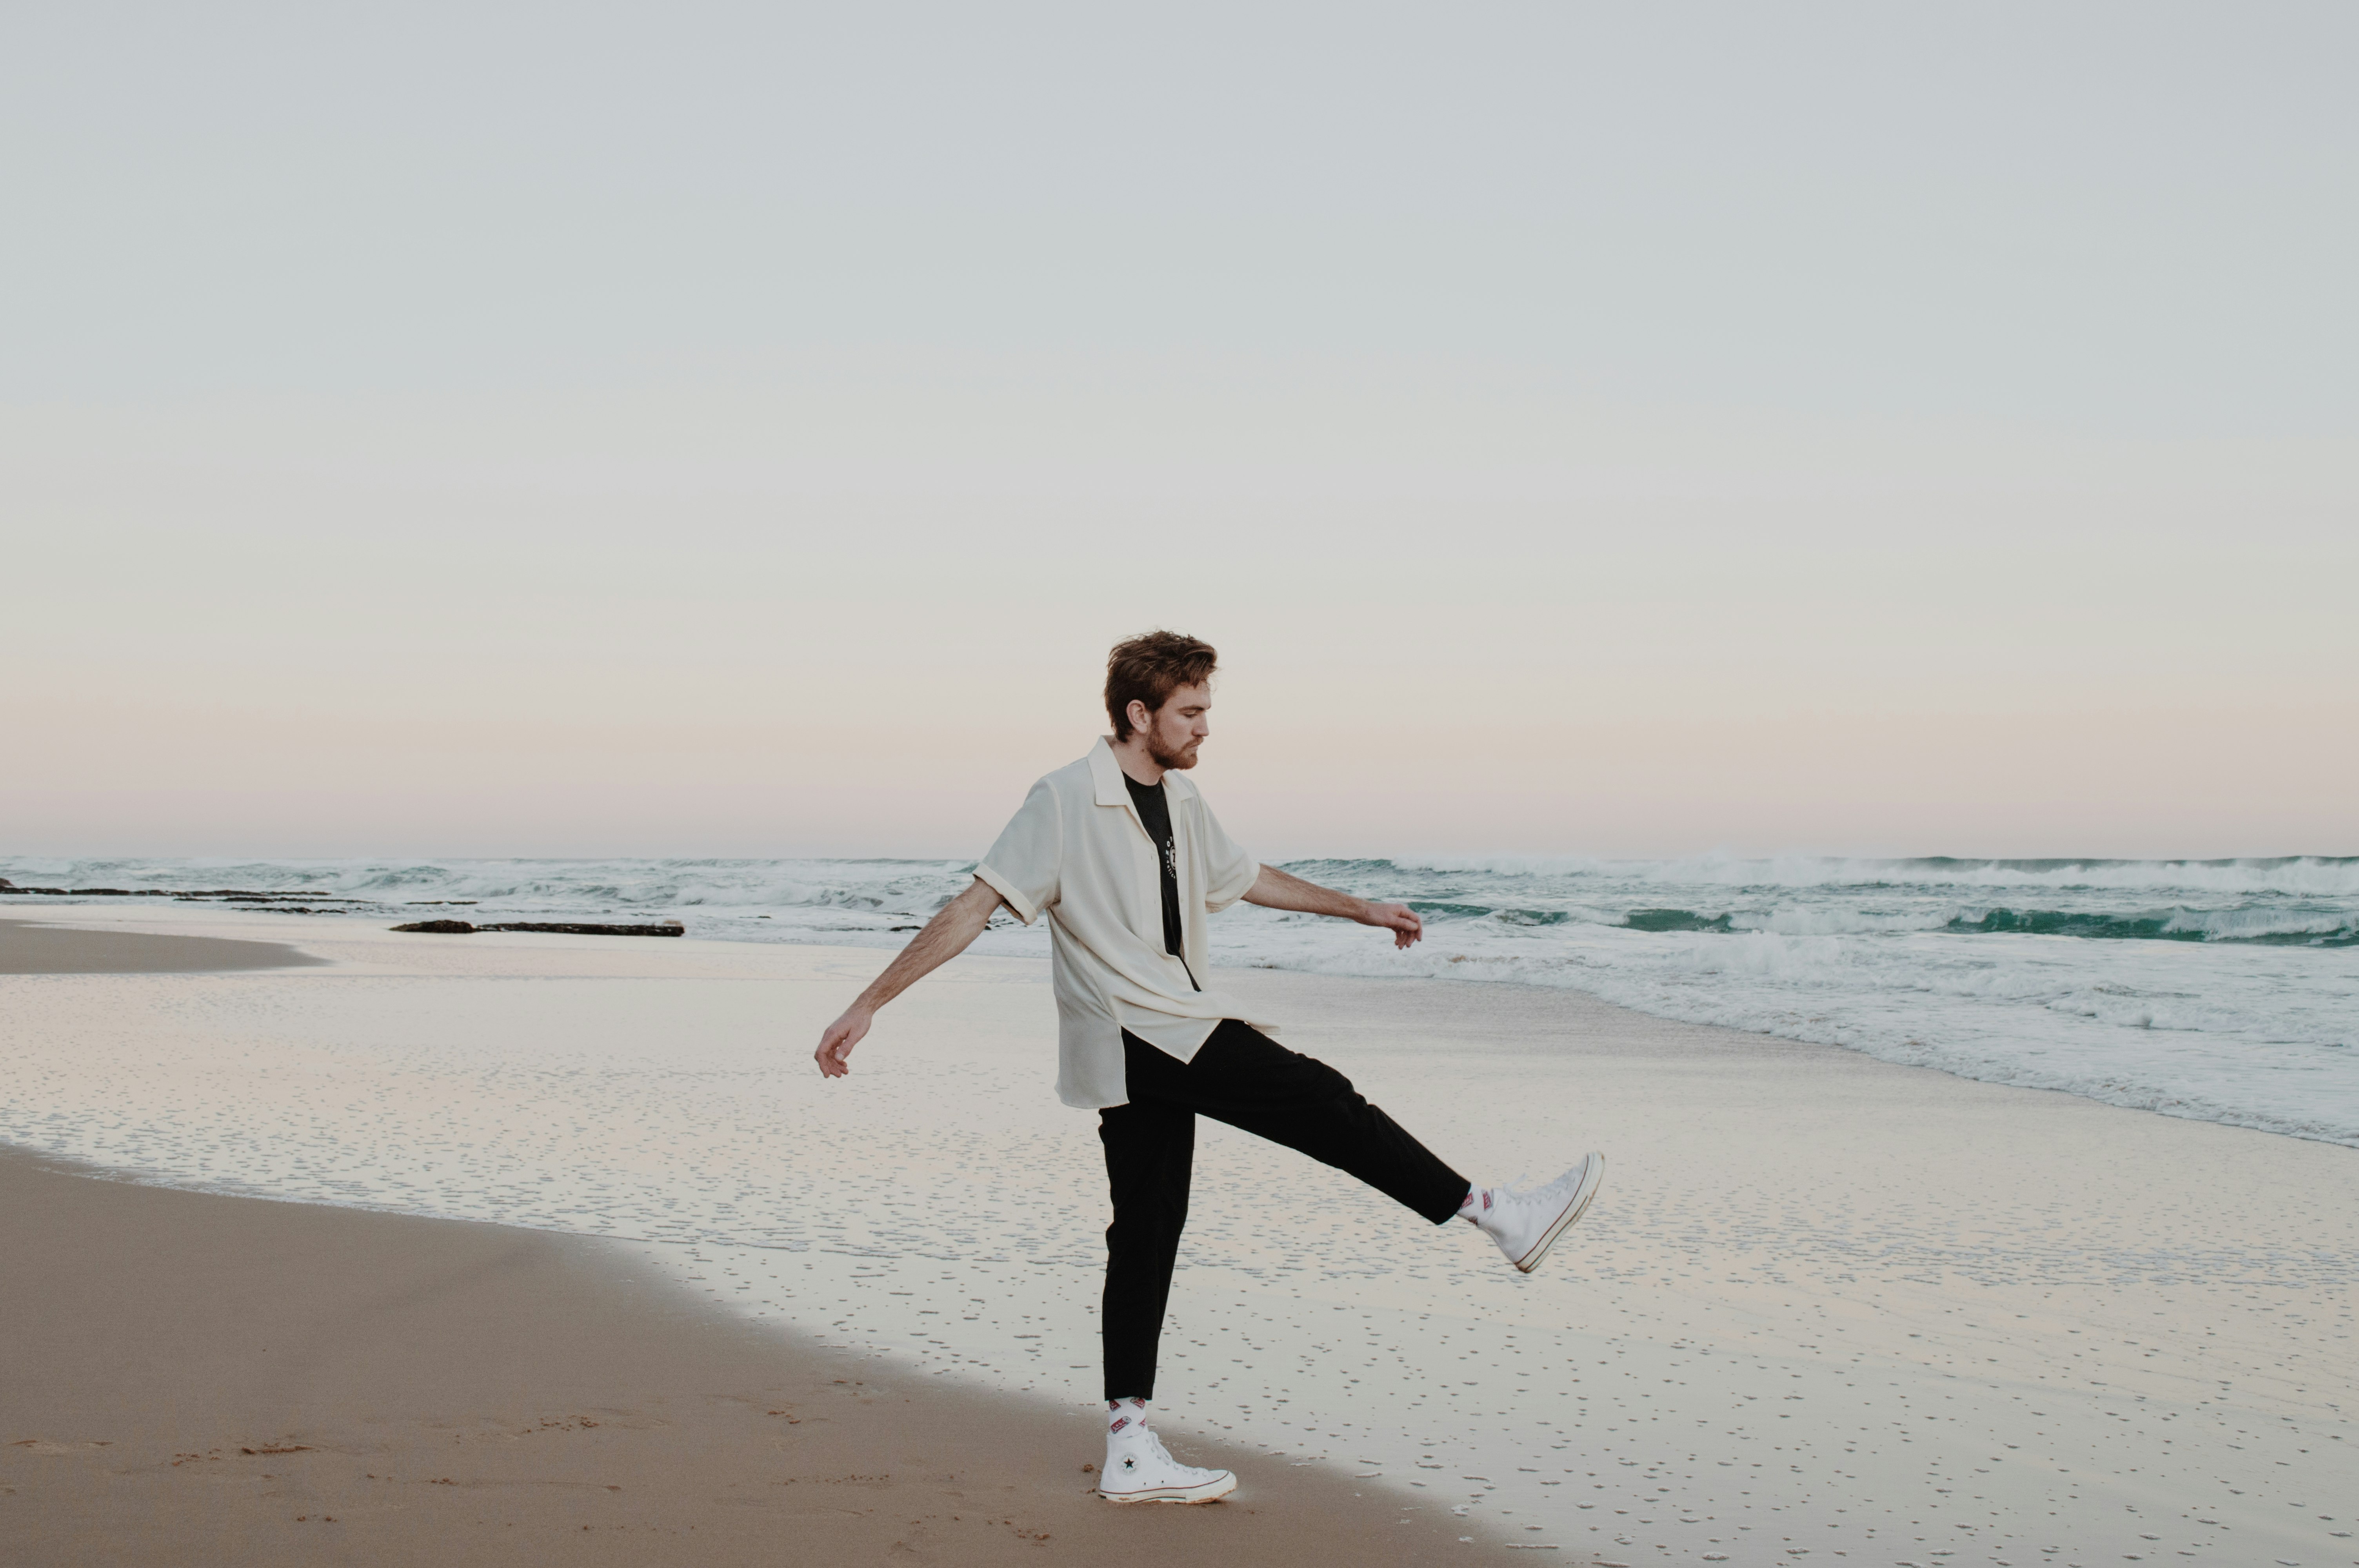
(1211, 1491)
(1590, 1176)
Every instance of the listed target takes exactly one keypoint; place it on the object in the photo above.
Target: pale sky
(704, 430)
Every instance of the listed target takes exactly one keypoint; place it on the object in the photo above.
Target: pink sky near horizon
(485, 673)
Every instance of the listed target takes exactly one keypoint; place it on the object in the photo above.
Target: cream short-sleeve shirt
(1077, 853)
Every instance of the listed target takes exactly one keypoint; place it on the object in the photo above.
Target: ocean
(2223, 991)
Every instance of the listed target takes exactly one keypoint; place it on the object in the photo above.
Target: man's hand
(835, 1045)
(1397, 918)
(1274, 889)
(946, 935)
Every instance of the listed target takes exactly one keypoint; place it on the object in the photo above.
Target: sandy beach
(201, 1380)
(1826, 1306)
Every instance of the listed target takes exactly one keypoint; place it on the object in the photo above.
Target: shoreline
(1824, 1300)
(2155, 1047)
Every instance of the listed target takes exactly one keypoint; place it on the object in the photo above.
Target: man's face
(1175, 729)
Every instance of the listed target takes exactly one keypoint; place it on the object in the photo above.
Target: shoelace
(1548, 1191)
(1515, 1192)
(1153, 1445)
(1554, 1186)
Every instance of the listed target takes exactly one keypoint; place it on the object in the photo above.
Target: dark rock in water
(241, 895)
(571, 929)
(6, 886)
(565, 928)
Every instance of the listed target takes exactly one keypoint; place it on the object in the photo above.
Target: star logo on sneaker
(1130, 1463)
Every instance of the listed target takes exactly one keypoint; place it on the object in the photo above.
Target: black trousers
(1243, 1077)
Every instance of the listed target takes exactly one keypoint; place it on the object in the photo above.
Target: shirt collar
(1106, 775)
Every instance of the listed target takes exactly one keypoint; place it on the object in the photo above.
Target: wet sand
(196, 1380)
(28, 947)
(1826, 1306)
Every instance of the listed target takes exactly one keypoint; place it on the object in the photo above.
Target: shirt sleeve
(1025, 862)
(1229, 870)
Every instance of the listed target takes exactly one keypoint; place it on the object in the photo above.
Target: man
(1126, 861)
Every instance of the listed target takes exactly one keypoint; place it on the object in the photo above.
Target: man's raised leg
(1244, 1078)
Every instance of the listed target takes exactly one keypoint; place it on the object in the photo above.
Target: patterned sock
(1124, 1414)
(1477, 1204)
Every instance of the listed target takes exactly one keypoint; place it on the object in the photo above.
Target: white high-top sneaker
(1137, 1470)
(1525, 1225)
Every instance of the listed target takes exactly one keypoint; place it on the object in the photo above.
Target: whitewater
(2224, 990)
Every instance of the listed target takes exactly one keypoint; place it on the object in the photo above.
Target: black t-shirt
(1156, 812)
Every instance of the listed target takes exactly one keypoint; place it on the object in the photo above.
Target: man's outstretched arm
(1275, 889)
(946, 935)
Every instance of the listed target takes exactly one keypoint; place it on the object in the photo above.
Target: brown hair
(1147, 668)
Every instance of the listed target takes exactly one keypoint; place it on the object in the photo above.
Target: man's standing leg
(1150, 1150)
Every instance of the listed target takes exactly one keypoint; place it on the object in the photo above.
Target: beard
(1165, 757)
